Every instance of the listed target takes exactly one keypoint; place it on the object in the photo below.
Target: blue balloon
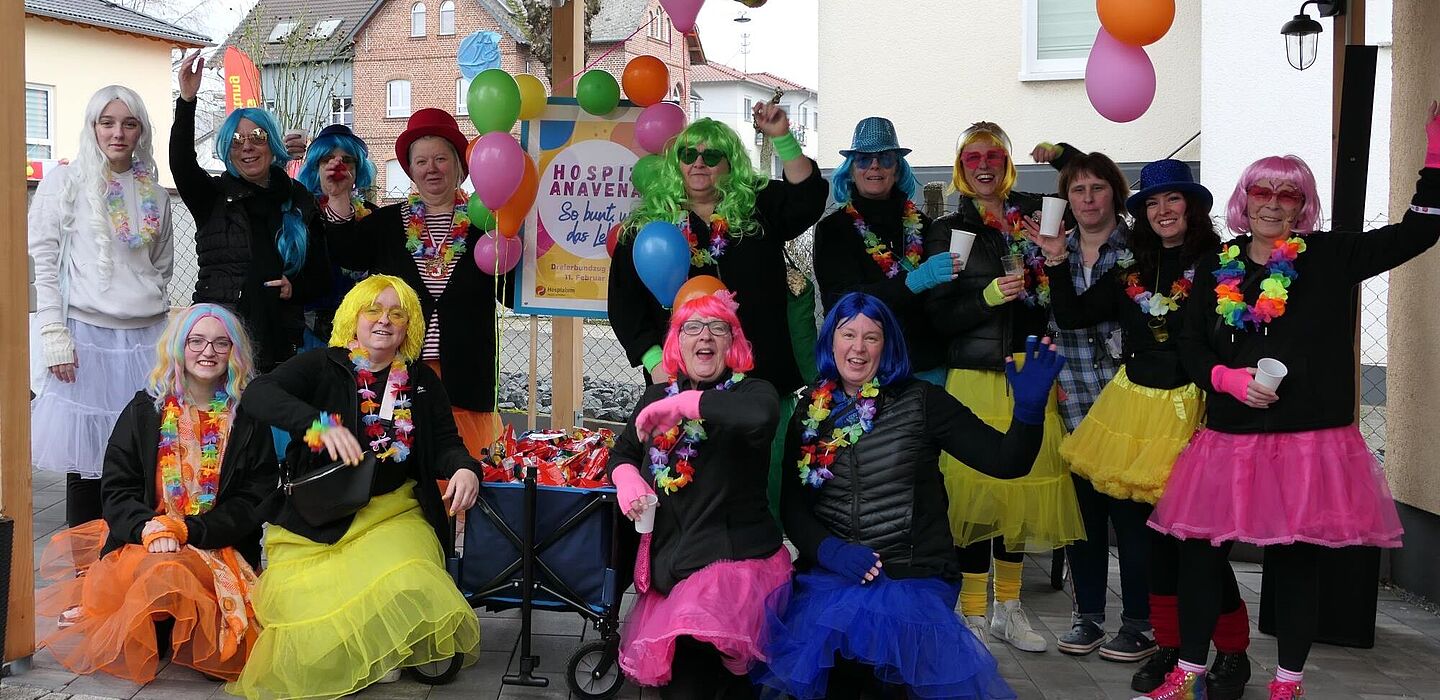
(478, 53)
(662, 259)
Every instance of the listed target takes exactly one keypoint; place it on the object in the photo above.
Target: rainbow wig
(293, 239)
(309, 175)
(1287, 168)
(720, 306)
(991, 132)
(842, 180)
(168, 378)
(662, 189)
(894, 357)
(361, 296)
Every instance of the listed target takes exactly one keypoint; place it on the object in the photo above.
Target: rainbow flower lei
(357, 205)
(882, 255)
(719, 239)
(1159, 305)
(149, 207)
(385, 447)
(1280, 272)
(686, 436)
(454, 243)
(816, 455)
(174, 472)
(1037, 282)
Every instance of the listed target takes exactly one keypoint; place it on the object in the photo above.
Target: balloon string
(597, 61)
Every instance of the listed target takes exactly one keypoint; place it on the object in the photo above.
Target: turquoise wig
(842, 180)
(293, 239)
(309, 175)
(662, 189)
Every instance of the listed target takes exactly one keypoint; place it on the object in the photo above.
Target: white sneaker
(1010, 624)
(976, 624)
(390, 677)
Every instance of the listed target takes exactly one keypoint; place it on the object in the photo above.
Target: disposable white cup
(646, 522)
(1268, 373)
(1052, 213)
(960, 244)
(303, 134)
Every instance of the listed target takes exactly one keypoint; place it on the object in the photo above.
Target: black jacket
(888, 492)
(842, 266)
(753, 267)
(294, 395)
(1315, 337)
(724, 512)
(248, 477)
(467, 307)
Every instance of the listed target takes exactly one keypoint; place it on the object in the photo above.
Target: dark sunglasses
(1262, 194)
(887, 159)
(688, 154)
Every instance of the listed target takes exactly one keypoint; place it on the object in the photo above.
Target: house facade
(727, 94)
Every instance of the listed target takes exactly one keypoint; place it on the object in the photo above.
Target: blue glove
(935, 271)
(1032, 384)
(849, 560)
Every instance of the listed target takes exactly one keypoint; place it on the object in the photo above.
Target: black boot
(1153, 673)
(1227, 676)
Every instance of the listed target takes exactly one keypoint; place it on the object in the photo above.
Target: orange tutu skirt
(119, 599)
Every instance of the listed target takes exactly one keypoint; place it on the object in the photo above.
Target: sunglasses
(719, 329)
(348, 160)
(886, 159)
(257, 136)
(1262, 194)
(397, 315)
(973, 159)
(688, 154)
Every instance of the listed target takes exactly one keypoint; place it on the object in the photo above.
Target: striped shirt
(437, 233)
(1091, 354)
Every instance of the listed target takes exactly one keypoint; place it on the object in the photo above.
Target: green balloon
(597, 92)
(494, 101)
(480, 217)
(645, 171)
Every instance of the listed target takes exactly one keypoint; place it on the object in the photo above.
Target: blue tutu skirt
(906, 629)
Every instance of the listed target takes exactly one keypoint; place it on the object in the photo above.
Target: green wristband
(652, 358)
(992, 294)
(786, 147)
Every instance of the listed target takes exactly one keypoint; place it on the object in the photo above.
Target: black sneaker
(1227, 676)
(1084, 637)
(1153, 673)
(1127, 647)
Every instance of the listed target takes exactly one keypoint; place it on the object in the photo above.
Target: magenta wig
(721, 306)
(1287, 168)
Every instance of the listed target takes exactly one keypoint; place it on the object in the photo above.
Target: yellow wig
(362, 295)
(989, 131)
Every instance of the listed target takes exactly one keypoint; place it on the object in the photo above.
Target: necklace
(1037, 283)
(687, 436)
(120, 214)
(175, 473)
(816, 455)
(719, 231)
(880, 253)
(396, 448)
(1280, 272)
(436, 258)
(357, 205)
(1157, 305)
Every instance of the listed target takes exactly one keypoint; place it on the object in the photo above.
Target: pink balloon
(682, 13)
(657, 124)
(1119, 79)
(497, 255)
(496, 167)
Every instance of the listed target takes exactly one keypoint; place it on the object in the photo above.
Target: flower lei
(357, 205)
(1155, 304)
(1280, 272)
(816, 455)
(884, 257)
(719, 232)
(384, 446)
(1037, 282)
(687, 436)
(174, 472)
(149, 207)
(451, 247)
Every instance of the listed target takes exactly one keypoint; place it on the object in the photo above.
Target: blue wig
(841, 181)
(293, 239)
(894, 357)
(324, 145)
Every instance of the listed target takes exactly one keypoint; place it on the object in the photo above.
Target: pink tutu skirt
(1319, 487)
(722, 605)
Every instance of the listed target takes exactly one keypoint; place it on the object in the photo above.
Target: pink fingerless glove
(629, 486)
(1432, 142)
(1235, 382)
(667, 413)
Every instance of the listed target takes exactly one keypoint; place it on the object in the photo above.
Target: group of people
(960, 409)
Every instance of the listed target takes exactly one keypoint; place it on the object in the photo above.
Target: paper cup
(960, 244)
(1052, 213)
(1268, 373)
(646, 522)
(298, 132)
(1014, 264)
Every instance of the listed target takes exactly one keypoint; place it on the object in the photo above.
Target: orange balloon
(646, 80)
(511, 215)
(1136, 22)
(697, 286)
(470, 147)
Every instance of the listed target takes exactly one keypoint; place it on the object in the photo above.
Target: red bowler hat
(431, 122)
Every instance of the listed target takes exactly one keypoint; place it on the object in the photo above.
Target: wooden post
(567, 338)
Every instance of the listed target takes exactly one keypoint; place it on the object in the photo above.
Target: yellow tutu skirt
(1131, 437)
(1035, 513)
(336, 618)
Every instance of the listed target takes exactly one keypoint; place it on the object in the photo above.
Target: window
(397, 98)
(39, 122)
(1057, 38)
(447, 17)
(397, 183)
(323, 29)
(417, 19)
(749, 107)
(804, 117)
(282, 31)
(269, 105)
(659, 28)
(462, 95)
(342, 111)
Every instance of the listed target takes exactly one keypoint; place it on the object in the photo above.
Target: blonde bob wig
(362, 296)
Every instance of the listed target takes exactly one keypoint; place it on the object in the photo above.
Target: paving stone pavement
(1405, 662)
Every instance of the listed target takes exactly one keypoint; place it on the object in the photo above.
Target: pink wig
(1287, 168)
(722, 306)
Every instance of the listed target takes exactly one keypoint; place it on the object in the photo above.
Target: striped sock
(1287, 676)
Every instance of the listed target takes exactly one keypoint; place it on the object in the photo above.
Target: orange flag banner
(242, 81)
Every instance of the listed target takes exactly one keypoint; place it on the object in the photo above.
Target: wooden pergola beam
(567, 334)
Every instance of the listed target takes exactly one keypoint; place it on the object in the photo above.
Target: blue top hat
(874, 135)
(337, 130)
(1167, 175)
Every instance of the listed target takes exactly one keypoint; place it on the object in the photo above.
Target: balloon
(597, 92)
(657, 124)
(644, 170)
(662, 259)
(470, 148)
(532, 96)
(497, 255)
(1119, 79)
(478, 52)
(612, 238)
(1136, 22)
(682, 13)
(698, 286)
(511, 215)
(646, 80)
(494, 101)
(496, 167)
(751, 3)
(480, 215)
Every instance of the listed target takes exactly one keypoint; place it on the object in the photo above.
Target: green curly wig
(662, 187)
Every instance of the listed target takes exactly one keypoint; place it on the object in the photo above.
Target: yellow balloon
(532, 96)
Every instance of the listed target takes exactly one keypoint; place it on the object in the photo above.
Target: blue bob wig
(894, 357)
(293, 239)
(323, 146)
(842, 180)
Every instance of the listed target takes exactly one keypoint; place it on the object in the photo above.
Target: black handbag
(331, 492)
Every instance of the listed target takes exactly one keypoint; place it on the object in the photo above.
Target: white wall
(725, 102)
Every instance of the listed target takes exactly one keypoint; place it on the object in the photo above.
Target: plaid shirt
(1090, 362)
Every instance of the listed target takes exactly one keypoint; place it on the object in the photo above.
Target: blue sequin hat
(874, 135)
(1167, 175)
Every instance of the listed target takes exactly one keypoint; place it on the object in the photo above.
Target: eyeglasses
(1262, 194)
(257, 136)
(395, 314)
(887, 159)
(973, 159)
(688, 154)
(719, 329)
(221, 346)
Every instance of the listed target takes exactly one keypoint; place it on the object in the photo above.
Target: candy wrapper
(576, 458)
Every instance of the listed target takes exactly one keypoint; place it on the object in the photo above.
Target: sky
(783, 37)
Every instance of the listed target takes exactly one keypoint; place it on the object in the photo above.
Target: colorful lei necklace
(437, 258)
(149, 207)
(882, 255)
(1037, 282)
(687, 436)
(384, 446)
(719, 233)
(1154, 304)
(1280, 272)
(174, 472)
(357, 205)
(816, 455)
